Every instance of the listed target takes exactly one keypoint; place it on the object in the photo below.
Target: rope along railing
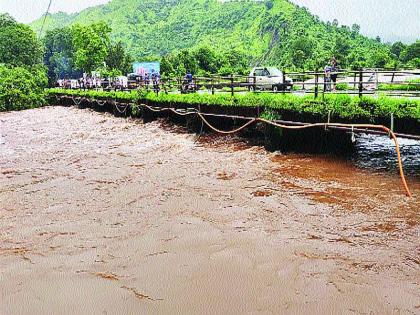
(123, 106)
(100, 103)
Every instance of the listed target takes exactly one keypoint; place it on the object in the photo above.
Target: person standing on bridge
(189, 77)
(187, 83)
(327, 79)
(334, 73)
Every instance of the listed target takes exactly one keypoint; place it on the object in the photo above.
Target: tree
(18, 43)
(234, 61)
(91, 45)
(22, 77)
(341, 49)
(411, 54)
(355, 28)
(166, 67)
(118, 59)
(22, 88)
(397, 48)
(302, 49)
(356, 59)
(6, 20)
(187, 62)
(269, 4)
(59, 54)
(379, 58)
(207, 59)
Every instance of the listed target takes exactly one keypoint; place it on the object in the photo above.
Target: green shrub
(342, 87)
(413, 85)
(340, 105)
(22, 88)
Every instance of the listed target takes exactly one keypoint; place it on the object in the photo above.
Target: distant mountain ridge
(272, 31)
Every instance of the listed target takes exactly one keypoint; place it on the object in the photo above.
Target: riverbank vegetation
(22, 75)
(22, 87)
(28, 65)
(412, 85)
(72, 51)
(342, 106)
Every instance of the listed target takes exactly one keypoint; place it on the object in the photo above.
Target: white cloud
(390, 19)
(26, 11)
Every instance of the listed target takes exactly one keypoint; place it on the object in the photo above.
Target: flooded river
(104, 215)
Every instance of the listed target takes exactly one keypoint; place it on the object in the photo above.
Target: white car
(269, 78)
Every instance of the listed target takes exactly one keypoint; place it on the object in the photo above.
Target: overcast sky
(390, 19)
(28, 10)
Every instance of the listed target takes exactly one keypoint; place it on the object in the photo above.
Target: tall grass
(339, 105)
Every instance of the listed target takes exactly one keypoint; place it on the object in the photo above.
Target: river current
(100, 214)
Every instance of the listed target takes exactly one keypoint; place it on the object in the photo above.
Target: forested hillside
(272, 31)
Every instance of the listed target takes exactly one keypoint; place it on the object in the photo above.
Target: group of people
(330, 76)
(87, 82)
(81, 83)
(144, 78)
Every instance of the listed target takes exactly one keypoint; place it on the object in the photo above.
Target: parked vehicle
(188, 87)
(133, 80)
(188, 84)
(269, 78)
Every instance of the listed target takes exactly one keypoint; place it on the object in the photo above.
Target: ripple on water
(378, 153)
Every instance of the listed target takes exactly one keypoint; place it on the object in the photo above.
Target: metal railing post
(303, 80)
(360, 82)
(393, 74)
(284, 82)
(231, 85)
(354, 81)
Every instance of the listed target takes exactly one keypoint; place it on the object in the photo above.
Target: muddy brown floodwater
(104, 215)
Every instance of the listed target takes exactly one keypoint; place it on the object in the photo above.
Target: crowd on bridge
(119, 82)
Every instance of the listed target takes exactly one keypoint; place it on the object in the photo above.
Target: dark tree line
(205, 60)
(72, 51)
(22, 75)
(28, 64)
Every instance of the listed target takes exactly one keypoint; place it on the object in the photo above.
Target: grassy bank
(342, 106)
(412, 85)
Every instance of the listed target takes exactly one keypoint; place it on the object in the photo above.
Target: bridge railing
(361, 82)
(404, 83)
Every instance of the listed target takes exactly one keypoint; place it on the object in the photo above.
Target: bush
(22, 88)
(343, 106)
(342, 87)
(412, 85)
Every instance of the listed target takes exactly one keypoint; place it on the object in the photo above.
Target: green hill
(272, 31)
